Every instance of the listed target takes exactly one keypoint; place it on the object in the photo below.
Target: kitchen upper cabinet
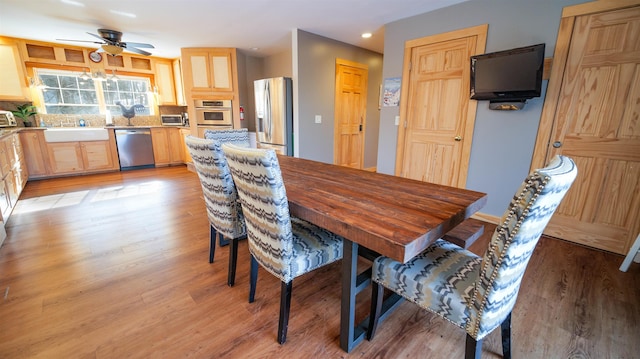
(177, 80)
(13, 84)
(208, 70)
(35, 153)
(164, 83)
(167, 146)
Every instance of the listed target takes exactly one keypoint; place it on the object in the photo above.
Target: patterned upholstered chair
(238, 137)
(284, 246)
(478, 293)
(220, 197)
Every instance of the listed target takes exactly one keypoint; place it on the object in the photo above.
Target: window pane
(88, 97)
(68, 82)
(51, 96)
(86, 84)
(70, 96)
(50, 81)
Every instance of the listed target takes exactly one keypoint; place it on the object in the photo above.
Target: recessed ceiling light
(366, 35)
(71, 2)
(122, 13)
(255, 48)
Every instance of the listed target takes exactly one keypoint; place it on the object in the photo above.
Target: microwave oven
(171, 120)
(213, 112)
(7, 119)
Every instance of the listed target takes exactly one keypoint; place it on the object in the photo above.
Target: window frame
(32, 70)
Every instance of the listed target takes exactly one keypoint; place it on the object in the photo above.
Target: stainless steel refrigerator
(274, 114)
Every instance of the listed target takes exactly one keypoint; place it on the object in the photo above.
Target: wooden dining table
(376, 214)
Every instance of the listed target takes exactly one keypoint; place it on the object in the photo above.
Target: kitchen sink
(75, 134)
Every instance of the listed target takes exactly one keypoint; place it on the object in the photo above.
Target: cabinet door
(96, 156)
(177, 80)
(184, 132)
(176, 147)
(160, 141)
(65, 157)
(5, 164)
(12, 80)
(199, 71)
(221, 73)
(34, 149)
(164, 82)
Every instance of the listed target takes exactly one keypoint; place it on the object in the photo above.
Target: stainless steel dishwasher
(135, 149)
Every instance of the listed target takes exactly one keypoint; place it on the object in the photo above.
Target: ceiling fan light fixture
(112, 50)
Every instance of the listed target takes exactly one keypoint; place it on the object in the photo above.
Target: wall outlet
(318, 119)
(397, 120)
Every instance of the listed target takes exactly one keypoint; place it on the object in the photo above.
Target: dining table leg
(348, 304)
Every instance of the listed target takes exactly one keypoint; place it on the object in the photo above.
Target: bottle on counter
(82, 123)
(42, 124)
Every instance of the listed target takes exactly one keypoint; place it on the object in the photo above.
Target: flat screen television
(510, 75)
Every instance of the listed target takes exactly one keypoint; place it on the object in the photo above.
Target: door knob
(458, 138)
(557, 144)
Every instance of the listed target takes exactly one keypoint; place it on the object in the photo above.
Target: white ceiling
(244, 24)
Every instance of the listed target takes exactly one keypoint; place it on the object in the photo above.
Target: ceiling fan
(112, 43)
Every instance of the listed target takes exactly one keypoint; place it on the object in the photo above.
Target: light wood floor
(115, 265)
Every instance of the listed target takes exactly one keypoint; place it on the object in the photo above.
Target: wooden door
(96, 156)
(434, 139)
(34, 152)
(591, 115)
(65, 157)
(350, 113)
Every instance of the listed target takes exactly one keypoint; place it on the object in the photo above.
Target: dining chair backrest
(221, 198)
(513, 242)
(238, 137)
(264, 200)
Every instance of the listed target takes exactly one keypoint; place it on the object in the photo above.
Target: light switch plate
(397, 120)
(318, 119)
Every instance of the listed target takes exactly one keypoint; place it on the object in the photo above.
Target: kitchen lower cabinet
(184, 132)
(35, 153)
(82, 157)
(168, 148)
(13, 177)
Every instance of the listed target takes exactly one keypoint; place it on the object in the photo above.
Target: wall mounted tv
(508, 76)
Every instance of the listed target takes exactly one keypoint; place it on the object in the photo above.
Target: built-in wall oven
(213, 112)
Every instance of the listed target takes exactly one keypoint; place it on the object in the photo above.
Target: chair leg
(285, 306)
(253, 278)
(223, 242)
(473, 349)
(233, 259)
(212, 243)
(377, 292)
(506, 337)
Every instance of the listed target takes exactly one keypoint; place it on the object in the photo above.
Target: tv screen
(509, 75)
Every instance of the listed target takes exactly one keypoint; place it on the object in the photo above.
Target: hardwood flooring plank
(116, 265)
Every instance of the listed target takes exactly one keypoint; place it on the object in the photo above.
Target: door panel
(350, 113)
(435, 140)
(596, 124)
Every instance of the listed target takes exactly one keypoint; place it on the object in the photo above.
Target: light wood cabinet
(81, 157)
(167, 146)
(13, 176)
(164, 82)
(208, 70)
(184, 132)
(13, 84)
(35, 153)
(177, 80)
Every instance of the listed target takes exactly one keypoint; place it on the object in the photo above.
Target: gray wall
(503, 140)
(316, 68)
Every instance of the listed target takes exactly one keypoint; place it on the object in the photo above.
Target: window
(67, 92)
(128, 91)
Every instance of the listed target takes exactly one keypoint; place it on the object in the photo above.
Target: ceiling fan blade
(93, 42)
(101, 38)
(138, 44)
(137, 51)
